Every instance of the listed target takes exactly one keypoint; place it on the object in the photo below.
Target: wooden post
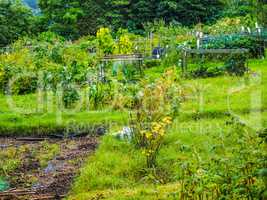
(184, 64)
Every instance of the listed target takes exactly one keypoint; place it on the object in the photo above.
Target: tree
(141, 12)
(16, 20)
(187, 12)
(91, 19)
(72, 18)
(190, 12)
(257, 9)
(262, 11)
(63, 16)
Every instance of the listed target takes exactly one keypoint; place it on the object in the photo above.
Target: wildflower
(143, 132)
(148, 135)
(167, 120)
(156, 127)
(161, 132)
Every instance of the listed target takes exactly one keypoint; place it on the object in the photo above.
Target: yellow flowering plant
(106, 44)
(124, 45)
(155, 107)
(153, 138)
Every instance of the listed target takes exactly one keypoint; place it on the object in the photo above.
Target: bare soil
(53, 181)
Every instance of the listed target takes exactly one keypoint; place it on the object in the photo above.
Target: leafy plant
(99, 93)
(236, 65)
(154, 110)
(105, 41)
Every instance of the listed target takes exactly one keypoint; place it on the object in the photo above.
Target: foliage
(236, 65)
(47, 152)
(9, 161)
(125, 44)
(152, 63)
(235, 41)
(255, 8)
(231, 177)
(153, 139)
(229, 25)
(45, 61)
(204, 155)
(105, 41)
(15, 21)
(154, 110)
(205, 70)
(62, 19)
(99, 94)
(85, 17)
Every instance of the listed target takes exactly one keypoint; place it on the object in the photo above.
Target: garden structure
(127, 63)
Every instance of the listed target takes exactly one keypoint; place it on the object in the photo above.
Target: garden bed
(42, 169)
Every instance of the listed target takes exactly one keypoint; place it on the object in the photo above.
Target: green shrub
(206, 71)
(152, 63)
(233, 65)
(254, 46)
(236, 65)
(70, 96)
(99, 94)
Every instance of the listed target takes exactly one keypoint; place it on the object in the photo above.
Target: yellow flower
(167, 120)
(142, 132)
(148, 135)
(161, 132)
(156, 127)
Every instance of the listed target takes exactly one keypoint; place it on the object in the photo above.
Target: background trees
(63, 16)
(74, 18)
(15, 20)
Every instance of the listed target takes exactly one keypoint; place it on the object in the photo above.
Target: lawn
(26, 116)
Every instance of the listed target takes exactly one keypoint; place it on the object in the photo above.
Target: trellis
(123, 59)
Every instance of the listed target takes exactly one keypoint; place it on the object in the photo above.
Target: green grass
(25, 116)
(138, 193)
(202, 133)
(203, 137)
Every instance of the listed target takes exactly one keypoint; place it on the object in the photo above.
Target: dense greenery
(15, 21)
(77, 17)
(175, 119)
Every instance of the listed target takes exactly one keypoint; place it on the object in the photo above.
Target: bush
(229, 25)
(105, 41)
(70, 96)
(152, 63)
(155, 108)
(235, 42)
(236, 65)
(17, 81)
(99, 94)
(206, 71)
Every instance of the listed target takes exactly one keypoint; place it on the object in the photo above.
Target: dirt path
(52, 181)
